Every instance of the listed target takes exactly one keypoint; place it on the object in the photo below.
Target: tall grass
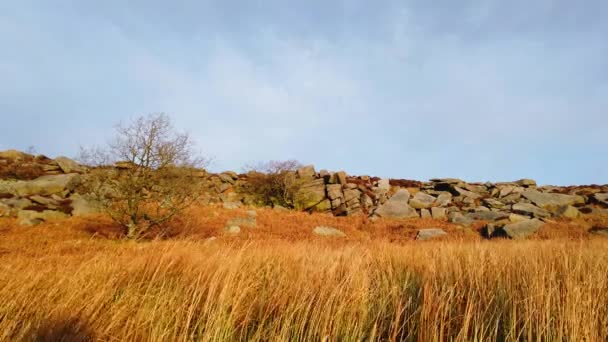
(300, 291)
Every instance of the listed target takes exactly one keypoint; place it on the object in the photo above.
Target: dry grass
(277, 282)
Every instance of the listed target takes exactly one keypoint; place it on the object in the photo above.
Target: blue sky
(480, 90)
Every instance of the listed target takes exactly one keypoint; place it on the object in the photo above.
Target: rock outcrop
(36, 189)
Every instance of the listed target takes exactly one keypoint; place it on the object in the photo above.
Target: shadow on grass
(64, 330)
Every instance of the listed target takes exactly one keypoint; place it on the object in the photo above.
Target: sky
(478, 90)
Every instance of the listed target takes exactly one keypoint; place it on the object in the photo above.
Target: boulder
(226, 178)
(447, 180)
(67, 165)
(32, 218)
(84, 205)
(568, 211)
(422, 201)
(526, 183)
(384, 184)
(523, 229)
(487, 215)
(397, 206)
(458, 218)
(328, 231)
(13, 154)
(493, 203)
(530, 210)
(351, 195)
(430, 233)
(425, 213)
(310, 194)
(249, 221)
(551, 201)
(232, 229)
(306, 172)
(444, 199)
(466, 193)
(340, 177)
(510, 190)
(18, 203)
(439, 213)
(601, 198)
(517, 218)
(47, 185)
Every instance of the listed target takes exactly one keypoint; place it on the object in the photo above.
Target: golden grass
(56, 281)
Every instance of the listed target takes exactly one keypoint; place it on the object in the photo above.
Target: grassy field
(277, 282)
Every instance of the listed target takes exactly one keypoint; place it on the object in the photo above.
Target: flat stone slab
(430, 233)
(328, 231)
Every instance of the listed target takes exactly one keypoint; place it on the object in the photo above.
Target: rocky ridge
(37, 188)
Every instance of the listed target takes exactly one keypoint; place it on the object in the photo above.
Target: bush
(274, 183)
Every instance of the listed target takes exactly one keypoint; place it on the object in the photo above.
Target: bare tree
(146, 175)
(274, 182)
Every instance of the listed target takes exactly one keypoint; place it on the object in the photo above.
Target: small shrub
(273, 183)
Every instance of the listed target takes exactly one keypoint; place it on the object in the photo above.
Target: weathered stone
(249, 222)
(231, 205)
(552, 201)
(397, 206)
(517, 218)
(334, 191)
(447, 180)
(510, 189)
(439, 213)
(227, 178)
(324, 205)
(466, 193)
(384, 184)
(526, 182)
(47, 185)
(232, 229)
(351, 186)
(444, 199)
(32, 218)
(328, 231)
(350, 195)
(18, 203)
(341, 177)
(47, 201)
(67, 165)
(422, 201)
(223, 187)
(568, 211)
(425, 213)
(306, 172)
(492, 203)
(523, 229)
(530, 210)
(83, 205)
(366, 201)
(601, 198)
(325, 175)
(458, 218)
(13, 154)
(430, 233)
(478, 189)
(336, 203)
(487, 216)
(310, 194)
